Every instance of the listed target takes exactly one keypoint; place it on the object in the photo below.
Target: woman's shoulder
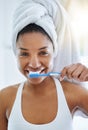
(8, 94)
(9, 90)
(69, 85)
(73, 89)
(75, 94)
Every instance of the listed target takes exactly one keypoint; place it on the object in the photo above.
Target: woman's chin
(36, 81)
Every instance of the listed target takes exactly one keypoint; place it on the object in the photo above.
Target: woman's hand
(75, 71)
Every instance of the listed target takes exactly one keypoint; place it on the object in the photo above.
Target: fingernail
(61, 78)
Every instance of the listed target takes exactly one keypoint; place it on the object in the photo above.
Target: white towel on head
(51, 16)
(40, 12)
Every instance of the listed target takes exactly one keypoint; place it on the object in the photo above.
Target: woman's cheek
(20, 65)
(50, 64)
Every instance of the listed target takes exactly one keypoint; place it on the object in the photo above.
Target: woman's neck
(43, 88)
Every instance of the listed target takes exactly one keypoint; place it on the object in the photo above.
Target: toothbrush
(36, 74)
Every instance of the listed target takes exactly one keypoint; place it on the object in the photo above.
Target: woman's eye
(43, 53)
(24, 54)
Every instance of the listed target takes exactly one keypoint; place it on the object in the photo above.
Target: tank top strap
(19, 92)
(19, 96)
(17, 103)
(62, 103)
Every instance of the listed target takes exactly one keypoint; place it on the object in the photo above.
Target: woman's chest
(40, 109)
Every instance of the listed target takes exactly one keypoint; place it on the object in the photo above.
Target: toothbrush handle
(45, 74)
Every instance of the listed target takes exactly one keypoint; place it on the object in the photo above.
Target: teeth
(32, 72)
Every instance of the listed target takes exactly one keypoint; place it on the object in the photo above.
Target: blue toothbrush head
(37, 74)
(34, 75)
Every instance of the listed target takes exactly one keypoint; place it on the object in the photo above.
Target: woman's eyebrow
(43, 48)
(23, 49)
(27, 49)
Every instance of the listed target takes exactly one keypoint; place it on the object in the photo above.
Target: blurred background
(9, 74)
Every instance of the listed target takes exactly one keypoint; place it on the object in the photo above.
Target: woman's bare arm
(76, 95)
(83, 102)
(3, 120)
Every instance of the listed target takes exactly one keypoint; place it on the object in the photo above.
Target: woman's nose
(34, 62)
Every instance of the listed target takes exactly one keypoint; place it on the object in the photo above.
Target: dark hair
(33, 28)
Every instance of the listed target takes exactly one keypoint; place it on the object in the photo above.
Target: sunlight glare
(80, 22)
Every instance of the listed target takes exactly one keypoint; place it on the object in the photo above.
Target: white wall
(9, 73)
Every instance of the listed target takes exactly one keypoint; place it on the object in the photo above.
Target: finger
(84, 75)
(71, 70)
(86, 78)
(64, 72)
(78, 72)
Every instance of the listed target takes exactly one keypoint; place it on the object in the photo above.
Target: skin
(77, 71)
(34, 53)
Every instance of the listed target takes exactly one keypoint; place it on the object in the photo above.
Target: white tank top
(62, 121)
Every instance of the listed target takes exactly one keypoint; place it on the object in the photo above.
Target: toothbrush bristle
(33, 74)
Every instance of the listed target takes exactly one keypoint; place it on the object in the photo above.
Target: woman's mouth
(31, 73)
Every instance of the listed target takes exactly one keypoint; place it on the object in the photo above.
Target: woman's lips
(39, 71)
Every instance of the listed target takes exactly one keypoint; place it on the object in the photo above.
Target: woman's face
(34, 54)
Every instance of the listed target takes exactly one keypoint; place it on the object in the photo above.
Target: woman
(39, 102)
(44, 102)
